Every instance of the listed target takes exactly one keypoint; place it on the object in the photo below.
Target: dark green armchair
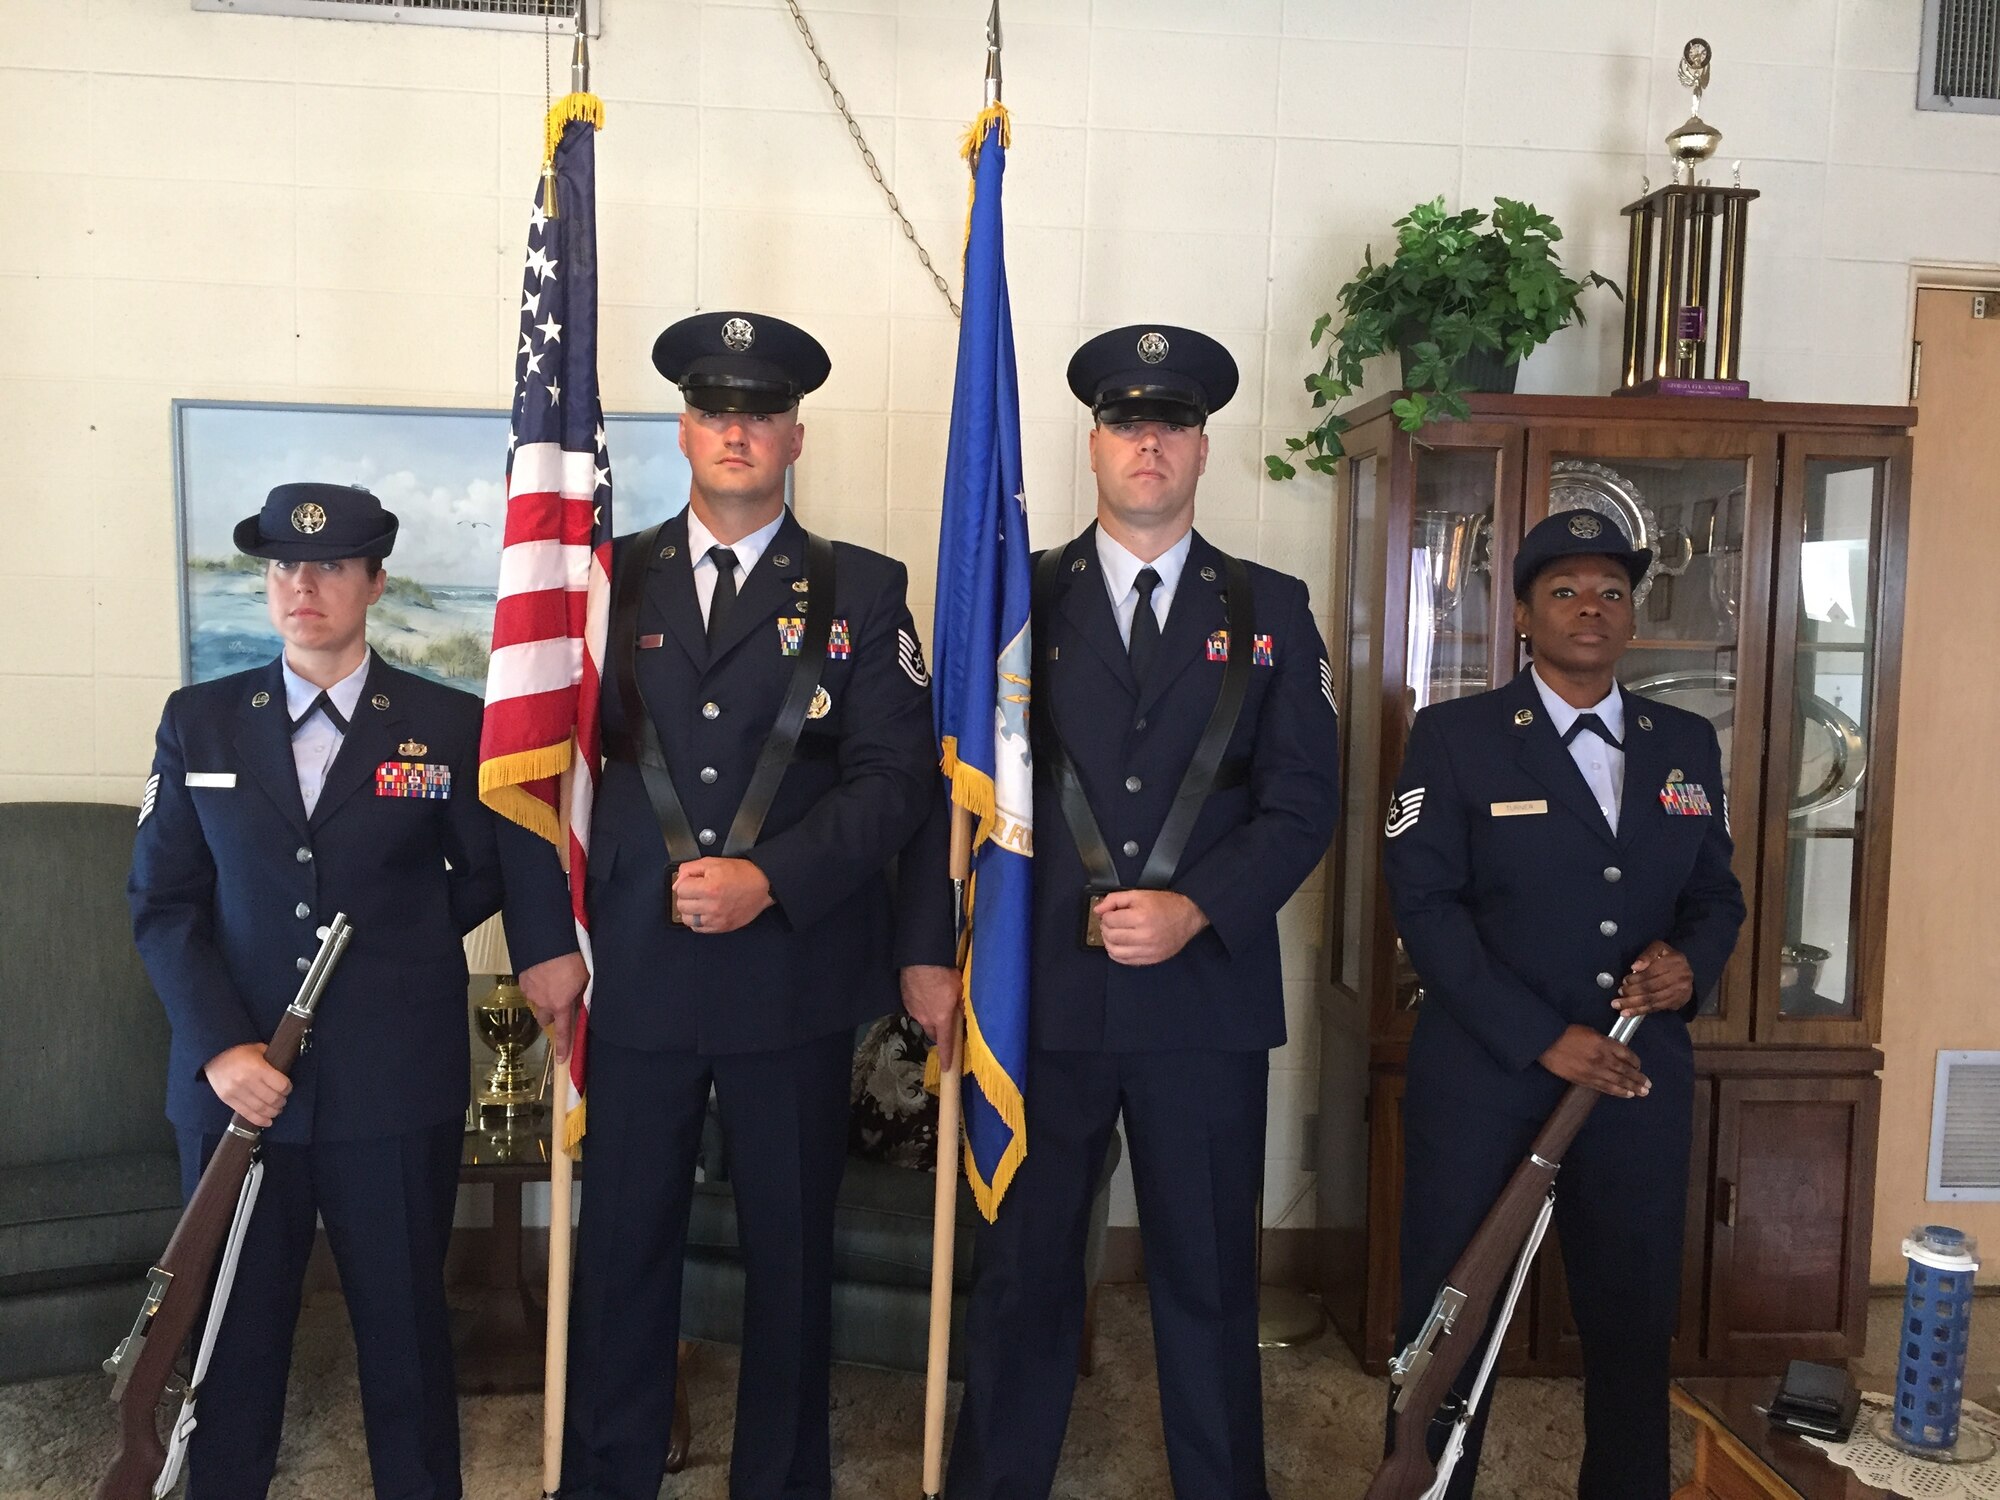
(89, 1179)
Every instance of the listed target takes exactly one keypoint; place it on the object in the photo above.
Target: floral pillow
(892, 1117)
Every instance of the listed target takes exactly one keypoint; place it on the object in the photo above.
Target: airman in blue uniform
(1558, 854)
(767, 726)
(1167, 676)
(327, 781)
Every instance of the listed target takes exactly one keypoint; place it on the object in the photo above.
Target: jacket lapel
(670, 589)
(1086, 607)
(1645, 770)
(371, 738)
(264, 741)
(1544, 756)
(765, 587)
(1200, 606)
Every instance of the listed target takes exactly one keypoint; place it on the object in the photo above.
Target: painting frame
(436, 456)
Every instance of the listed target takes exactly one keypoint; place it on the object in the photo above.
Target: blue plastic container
(1937, 1317)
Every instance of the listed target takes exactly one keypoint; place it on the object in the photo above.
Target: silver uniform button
(1131, 847)
(304, 856)
(1133, 783)
(1609, 929)
(708, 774)
(711, 711)
(302, 911)
(1605, 981)
(705, 837)
(1613, 874)
(304, 964)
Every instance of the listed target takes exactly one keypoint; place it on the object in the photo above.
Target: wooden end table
(1739, 1455)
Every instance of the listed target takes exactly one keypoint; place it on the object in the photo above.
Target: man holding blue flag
(1185, 782)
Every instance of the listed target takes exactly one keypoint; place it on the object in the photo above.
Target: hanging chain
(868, 156)
(548, 83)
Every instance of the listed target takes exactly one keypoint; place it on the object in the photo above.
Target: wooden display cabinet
(1776, 613)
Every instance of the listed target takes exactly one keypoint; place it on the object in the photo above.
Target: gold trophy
(506, 1023)
(1684, 267)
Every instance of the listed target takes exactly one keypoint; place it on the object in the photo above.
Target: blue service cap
(317, 523)
(738, 361)
(1153, 372)
(1576, 533)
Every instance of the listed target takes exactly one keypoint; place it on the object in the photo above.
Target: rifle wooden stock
(1479, 1273)
(143, 1363)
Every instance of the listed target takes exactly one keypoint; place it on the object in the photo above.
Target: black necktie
(1596, 726)
(725, 590)
(321, 704)
(1145, 626)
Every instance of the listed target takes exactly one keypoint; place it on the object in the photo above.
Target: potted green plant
(1460, 303)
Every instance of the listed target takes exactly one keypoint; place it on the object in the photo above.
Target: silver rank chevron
(1404, 811)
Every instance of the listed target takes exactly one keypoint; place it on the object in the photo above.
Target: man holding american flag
(767, 733)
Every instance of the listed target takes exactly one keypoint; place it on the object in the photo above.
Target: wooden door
(1790, 1220)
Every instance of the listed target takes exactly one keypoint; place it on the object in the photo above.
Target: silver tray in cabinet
(1832, 761)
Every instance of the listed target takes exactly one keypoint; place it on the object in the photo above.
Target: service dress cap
(1576, 533)
(738, 361)
(317, 523)
(1153, 372)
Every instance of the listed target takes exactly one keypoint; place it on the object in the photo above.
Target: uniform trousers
(387, 1206)
(784, 1117)
(1621, 1200)
(1194, 1122)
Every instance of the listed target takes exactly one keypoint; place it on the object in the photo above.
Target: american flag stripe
(540, 741)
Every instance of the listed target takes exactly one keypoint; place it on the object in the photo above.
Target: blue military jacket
(817, 961)
(231, 881)
(1253, 844)
(1518, 903)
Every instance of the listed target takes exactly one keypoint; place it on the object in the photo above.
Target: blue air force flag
(981, 682)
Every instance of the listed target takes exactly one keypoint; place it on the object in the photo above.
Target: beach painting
(441, 470)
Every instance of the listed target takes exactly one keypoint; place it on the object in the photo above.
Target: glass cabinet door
(1704, 503)
(1837, 643)
(1362, 499)
(1451, 622)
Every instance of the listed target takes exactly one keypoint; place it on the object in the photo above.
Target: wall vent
(1965, 1128)
(1960, 65)
(491, 15)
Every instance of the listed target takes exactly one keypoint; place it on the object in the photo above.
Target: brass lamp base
(1287, 1317)
(507, 1024)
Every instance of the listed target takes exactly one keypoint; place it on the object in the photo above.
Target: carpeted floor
(1322, 1414)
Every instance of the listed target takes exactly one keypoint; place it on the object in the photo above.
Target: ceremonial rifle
(1422, 1374)
(141, 1366)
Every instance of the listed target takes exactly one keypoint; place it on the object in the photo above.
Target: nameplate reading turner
(1518, 809)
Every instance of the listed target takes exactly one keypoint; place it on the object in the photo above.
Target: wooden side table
(1738, 1455)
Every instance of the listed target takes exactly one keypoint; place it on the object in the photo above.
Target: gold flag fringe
(570, 107)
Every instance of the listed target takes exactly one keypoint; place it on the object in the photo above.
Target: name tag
(651, 642)
(1518, 809)
(211, 778)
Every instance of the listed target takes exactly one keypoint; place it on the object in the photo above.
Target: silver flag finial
(993, 55)
(579, 57)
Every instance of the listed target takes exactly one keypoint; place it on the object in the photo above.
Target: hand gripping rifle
(141, 1366)
(1422, 1374)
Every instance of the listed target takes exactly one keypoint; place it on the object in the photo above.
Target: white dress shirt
(1121, 569)
(1603, 765)
(317, 741)
(747, 550)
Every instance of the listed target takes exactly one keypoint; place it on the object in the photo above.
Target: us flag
(538, 752)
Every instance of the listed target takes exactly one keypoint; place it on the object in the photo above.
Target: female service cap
(317, 523)
(1576, 533)
(737, 361)
(1153, 372)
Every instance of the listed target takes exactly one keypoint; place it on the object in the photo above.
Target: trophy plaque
(1684, 267)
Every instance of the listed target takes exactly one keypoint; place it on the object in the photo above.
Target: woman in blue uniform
(323, 782)
(1558, 854)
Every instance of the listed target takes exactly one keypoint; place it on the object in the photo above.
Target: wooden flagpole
(944, 1224)
(555, 1353)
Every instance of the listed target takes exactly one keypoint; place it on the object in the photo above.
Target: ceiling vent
(1965, 1128)
(1960, 66)
(492, 15)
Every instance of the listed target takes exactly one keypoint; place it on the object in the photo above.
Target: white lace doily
(1887, 1468)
